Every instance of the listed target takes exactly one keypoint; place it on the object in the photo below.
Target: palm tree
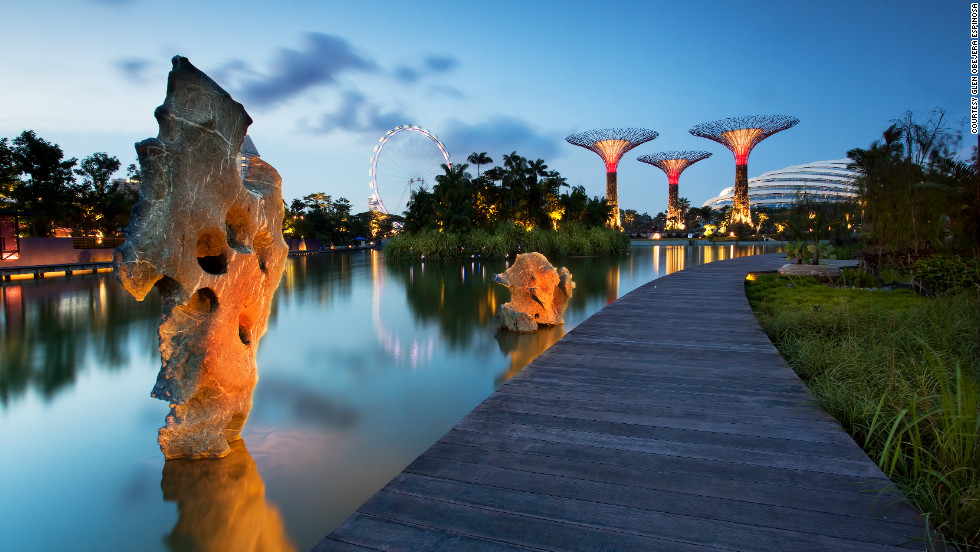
(479, 159)
(454, 193)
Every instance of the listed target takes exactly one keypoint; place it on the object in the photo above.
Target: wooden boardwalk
(666, 421)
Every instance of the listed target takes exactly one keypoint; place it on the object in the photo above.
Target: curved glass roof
(821, 180)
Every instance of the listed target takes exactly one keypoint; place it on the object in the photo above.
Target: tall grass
(901, 374)
(508, 239)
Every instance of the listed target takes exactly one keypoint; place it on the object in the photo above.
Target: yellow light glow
(750, 277)
(671, 166)
(741, 139)
(675, 258)
(612, 150)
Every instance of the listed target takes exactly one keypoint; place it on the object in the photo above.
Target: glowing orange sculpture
(673, 163)
(611, 144)
(740, 135)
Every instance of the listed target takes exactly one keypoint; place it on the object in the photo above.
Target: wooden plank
(671, 416)
(523, 472)
(367, 532)
(623, 436)
(665, 515)
(570, 525)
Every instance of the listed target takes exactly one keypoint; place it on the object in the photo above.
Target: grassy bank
(508, 239)
(900, 372)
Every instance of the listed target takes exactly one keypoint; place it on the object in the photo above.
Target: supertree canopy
(740, 135)
(673, 163)
(611, 144)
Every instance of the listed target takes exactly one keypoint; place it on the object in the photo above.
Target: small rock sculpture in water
(539, 294)
(212, 245)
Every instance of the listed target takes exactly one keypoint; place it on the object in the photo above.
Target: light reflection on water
(364, 366)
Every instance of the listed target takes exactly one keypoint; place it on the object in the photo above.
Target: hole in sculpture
(262, 245)
(244, 329)
(203, 301)
(238, 229)
(167, 286)
(211, 252)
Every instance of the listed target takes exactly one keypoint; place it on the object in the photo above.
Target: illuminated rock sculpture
(539, 294)
(212, 245)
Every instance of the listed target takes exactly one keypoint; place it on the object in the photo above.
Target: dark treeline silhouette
(520, 190)
(917, 196)
(330, 220)
(51, 192)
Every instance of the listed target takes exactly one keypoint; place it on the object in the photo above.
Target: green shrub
(944, 274)
(856, 277)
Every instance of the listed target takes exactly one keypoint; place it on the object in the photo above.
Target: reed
(507, 240)
(900, 373)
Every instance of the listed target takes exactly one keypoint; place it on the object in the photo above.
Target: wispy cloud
(321, 61)
(431, 65)
(406, 74)
(498, 135)
(134, 69)
(447, 91)
(355, 113)
(440, 63)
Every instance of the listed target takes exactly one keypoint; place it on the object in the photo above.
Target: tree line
(917, 196)
(521, 190)
(50, 192)
(320, 216)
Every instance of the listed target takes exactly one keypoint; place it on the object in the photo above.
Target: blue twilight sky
(323, 80)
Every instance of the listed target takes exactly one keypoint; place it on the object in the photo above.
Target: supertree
(611, 144)
(673, 163)
(741, 134)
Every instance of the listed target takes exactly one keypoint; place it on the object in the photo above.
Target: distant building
(821, 180)
(374, 204)
(245, 156)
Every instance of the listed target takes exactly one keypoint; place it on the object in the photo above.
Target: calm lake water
(364, 366)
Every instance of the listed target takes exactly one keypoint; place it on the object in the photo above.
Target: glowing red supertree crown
(674, 162)
(612, 143)
(741, 134)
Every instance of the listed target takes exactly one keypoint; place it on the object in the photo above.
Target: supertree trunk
(673, 164)
(612, 196)
(610, 144)
(740, 204)
(740, 135)
(673, 209)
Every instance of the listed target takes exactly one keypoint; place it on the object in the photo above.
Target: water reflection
(523, 348)
(221, 505)
(50, 327)
(361, 371)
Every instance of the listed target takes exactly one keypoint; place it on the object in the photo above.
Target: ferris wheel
(412, 158)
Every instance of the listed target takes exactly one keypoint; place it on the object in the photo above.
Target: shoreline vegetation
(506, 240)
(900, 373)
